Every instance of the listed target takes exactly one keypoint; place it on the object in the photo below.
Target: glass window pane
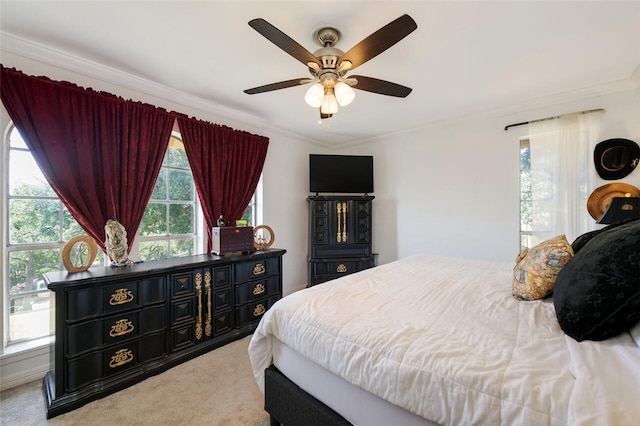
(27, 266)
(16, 140)
(182, 247)
(525, 216)
(248, 215)
(177, 156)
(29, 316)
(181, 219)
(34, 221)
(160, 190)
(525, 242)
(154, 221)
(25, 177)
(71, 228)
(180, 186)
(525, 158)
(154, 250)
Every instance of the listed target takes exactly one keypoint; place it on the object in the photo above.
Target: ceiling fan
(328, 65)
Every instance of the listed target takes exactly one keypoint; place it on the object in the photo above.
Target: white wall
(453, 189)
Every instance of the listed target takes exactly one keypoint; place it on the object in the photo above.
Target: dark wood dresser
(117, 326)
(339, 236)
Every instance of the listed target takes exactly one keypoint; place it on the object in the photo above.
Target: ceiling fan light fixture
(344, 93)
(329, 103)
(314, 95)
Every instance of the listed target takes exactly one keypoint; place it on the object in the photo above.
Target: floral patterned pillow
(537, 268)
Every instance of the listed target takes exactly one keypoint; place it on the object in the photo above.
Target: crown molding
(52, 57)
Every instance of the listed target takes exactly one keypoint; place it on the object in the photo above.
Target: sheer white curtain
(562, 174)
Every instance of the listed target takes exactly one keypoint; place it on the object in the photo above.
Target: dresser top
(100, 273)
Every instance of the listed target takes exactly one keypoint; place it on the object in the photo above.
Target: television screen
(347, 174)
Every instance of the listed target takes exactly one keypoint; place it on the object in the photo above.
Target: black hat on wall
(616, 158)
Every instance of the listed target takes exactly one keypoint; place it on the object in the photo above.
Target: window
(168, 227)
(38, 226)
(525, 195)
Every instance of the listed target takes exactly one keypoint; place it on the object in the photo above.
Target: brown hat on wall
(616, 158)
(601, 197)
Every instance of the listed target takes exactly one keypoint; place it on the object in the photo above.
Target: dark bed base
(289, 405)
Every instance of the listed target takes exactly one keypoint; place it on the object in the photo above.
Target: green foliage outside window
(525, 194)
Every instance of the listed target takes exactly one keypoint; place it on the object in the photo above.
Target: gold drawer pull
(199, 296)
(121, 296)
(122, 357)
(259, 310)
(208, 328)
(258, 289)
(341, 268)
(259, 269)
(121, 327)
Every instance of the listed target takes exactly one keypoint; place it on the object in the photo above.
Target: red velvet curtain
(226, 166)
(100, 153)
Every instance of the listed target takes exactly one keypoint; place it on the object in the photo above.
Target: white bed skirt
(353, 403)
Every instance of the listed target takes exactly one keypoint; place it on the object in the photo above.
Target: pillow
(535, 273)
(583, 239)
(597, 293)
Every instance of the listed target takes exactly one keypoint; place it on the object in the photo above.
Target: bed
(437, 340)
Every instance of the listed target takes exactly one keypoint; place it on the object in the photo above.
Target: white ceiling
(465, 59)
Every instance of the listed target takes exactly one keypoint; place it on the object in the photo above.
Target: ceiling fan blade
(283, 41)
(382, 87)
(278, 85)
(380, 41)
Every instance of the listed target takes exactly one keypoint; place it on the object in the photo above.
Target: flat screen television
(344, 174)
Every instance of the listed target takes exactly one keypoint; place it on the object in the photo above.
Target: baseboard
(25, 366)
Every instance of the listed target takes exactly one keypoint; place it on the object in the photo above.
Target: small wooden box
(230, 239)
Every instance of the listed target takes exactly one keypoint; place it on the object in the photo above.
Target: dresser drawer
(98, 365)
(221, 276)
(183, 310)
(96, 334)
(252, 312)
(247, 271)
(114, 298)
(258, 289)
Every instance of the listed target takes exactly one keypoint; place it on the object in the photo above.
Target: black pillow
(597, 293)
(583, 239)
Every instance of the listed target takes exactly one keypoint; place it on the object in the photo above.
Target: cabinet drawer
(337, 268)
(258, 289)
(348, 250)
(221, 276)
(183, 310)
(184, 284)
(114, 298)
(254, 269)
(97, 365)
(182, 336)
(114, 329)
(252, 312)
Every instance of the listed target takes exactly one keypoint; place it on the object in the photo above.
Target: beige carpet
(216, 388)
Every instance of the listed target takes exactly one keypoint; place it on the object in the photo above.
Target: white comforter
(444, 338)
